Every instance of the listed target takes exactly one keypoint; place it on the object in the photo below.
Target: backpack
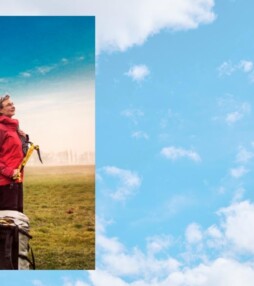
(25, 143)
(14, 241)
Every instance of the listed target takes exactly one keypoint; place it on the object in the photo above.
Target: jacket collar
(13, 123)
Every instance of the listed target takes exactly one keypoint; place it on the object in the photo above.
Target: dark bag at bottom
(14, 241)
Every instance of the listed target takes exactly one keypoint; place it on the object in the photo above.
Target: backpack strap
(9, 247)
(31, 262)
(30, 250)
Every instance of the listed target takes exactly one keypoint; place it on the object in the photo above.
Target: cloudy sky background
(174, 143)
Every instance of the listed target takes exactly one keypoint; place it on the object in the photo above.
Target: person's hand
(15, 173)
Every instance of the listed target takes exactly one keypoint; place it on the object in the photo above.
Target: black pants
(11, 197)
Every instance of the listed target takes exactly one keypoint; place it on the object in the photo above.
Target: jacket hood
(9, 121)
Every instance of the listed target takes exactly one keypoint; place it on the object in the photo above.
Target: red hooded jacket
(11, 154)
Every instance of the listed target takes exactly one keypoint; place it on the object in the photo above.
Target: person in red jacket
(11, 155)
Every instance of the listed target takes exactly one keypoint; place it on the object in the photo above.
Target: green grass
(60, 203)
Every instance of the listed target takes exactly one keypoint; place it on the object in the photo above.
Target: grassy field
(60, 203)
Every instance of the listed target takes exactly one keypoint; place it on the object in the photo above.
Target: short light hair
(2, 99)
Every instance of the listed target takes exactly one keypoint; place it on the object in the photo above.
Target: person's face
(8, 108)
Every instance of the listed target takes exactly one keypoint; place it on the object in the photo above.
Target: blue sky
(44, 58)
(174, 143)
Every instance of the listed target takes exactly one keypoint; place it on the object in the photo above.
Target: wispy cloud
(127, 182)
(227, 68)
(138, 72)
(133, 113)
(3, 80)
(243, 156)
(45, 69)
(238, 172)
(233, 117)
(158, 243)
(243, 109)
(174, 153)
(232, 110)
(81, 58)
(140, 135)
(169, 117)
(64, 61)
(26, 74)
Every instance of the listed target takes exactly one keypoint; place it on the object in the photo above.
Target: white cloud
(138, 72)
(174, 153)
(238, 172)
(25, 74)
(45, 69)
(156, 244)
(246, 66)
(226, 68)
(110, 245)
(243, 156)
(193, 233)
(221, 272)
(233, 117)
(115, 258)
(132, 22)
(101, 224)
(231, 237)
(102, 278)
(214, 232)
(140, 135)
(128, 182)
(238, 220)
(154, 266)
(233, 110)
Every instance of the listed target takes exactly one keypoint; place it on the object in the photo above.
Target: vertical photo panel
(47, 142)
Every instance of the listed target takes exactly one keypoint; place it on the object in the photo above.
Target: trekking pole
(26, 158)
